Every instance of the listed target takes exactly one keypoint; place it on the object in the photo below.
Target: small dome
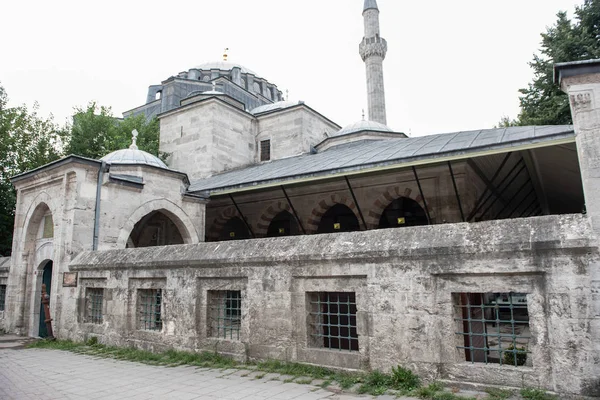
(363, 126)
(224, 66)
(133, 156)
(273, 106)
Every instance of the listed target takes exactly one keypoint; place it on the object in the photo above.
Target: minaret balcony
(373, 46)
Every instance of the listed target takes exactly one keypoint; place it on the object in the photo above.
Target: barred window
(149, 309)
(225, 313)
(2, 297)
(265, 150)
(94, 298)
(493, 327)
(332, 320)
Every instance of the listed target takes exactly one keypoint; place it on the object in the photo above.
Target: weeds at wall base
(400, 382)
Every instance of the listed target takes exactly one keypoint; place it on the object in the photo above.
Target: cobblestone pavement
(52, 374)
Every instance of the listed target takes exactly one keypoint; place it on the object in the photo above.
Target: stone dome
(133, 156)
(273, 106)
(224, 66)
(363, 126)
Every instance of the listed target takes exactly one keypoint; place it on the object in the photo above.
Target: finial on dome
(134, 134)
(225, 53)
(363, 114)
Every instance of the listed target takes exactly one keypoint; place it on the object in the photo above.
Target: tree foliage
(27, 141)
(542, 102)
(95, 132)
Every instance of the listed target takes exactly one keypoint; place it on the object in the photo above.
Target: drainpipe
(97, 212)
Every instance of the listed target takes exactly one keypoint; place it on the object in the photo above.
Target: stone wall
(293, 131)
(405, 282)
(64, 194)
(67, 193)
(162, 191)
(206, 138)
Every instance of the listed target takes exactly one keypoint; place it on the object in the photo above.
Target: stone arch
(220, 221)
(324, 205)
(268, 214)
(392, 193)
(37, 252)
(235, 229)
(284, 224)
(36, 210)
(181, 220)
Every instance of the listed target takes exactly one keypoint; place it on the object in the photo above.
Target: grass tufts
(536, 394)
(375, 383)
(404, 379)
(498, 394)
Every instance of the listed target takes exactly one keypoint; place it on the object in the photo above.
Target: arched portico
(179, 218)
(234, 229)
(403, 211)
(155, 229)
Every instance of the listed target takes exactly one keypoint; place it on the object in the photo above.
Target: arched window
(155, 229)
(284, 224)
(339, 218)
(234, 229)
(402, 212)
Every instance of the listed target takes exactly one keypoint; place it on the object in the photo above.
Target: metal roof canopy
(366, 156)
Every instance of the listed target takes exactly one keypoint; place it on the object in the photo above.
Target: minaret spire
(373, 49)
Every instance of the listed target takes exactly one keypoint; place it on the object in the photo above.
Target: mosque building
(271, 232)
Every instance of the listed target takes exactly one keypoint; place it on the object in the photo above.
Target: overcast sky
(451, 65)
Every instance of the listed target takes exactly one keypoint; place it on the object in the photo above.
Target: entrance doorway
(47, 280)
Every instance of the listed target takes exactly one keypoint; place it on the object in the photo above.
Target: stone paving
(52, 374)
(42, 374)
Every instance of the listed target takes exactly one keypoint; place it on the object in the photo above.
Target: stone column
(236, 75)
(250, 82)
(581, 81)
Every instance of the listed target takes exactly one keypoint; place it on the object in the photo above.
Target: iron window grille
(265, 150)
(94, 298)
(225, 313)
(149, 309)
(2, 297)
(332, 320)
(493, 327)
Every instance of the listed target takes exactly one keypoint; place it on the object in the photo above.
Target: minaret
(372, 50)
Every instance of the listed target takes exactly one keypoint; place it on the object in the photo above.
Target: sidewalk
(51, 374)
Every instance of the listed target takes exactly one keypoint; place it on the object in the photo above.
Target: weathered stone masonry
(403, 279)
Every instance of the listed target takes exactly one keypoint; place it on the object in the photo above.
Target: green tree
(542, 102)
(91, 132)
(27, 141)
(95, 132)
